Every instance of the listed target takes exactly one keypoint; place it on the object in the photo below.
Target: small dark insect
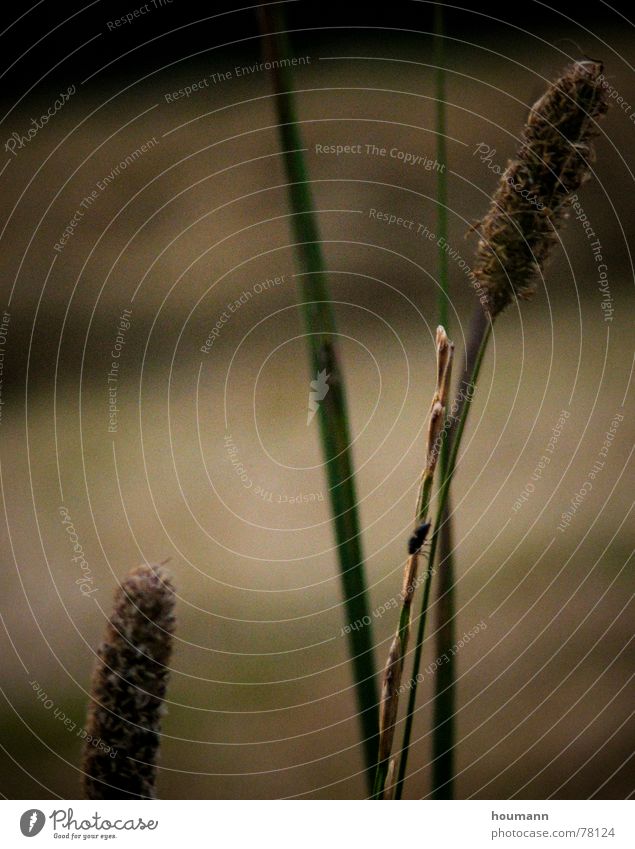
(418, 538)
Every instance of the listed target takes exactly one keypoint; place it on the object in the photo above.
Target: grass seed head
(534, 193)
(129, 687)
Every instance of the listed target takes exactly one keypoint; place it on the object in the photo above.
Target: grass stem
(391, 683)
(319, 322)
(460, 416)
(443, 733)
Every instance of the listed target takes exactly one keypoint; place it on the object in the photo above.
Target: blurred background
(179, 268)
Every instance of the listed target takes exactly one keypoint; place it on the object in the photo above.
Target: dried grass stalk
(390, 697)
(391, 681)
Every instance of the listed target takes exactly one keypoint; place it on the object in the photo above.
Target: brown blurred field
(260, 701)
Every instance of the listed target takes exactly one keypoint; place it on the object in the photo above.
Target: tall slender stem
(443, 733)
(460, 414)
(391, 681)
(443, 723)
(319, 322)
(443, 300)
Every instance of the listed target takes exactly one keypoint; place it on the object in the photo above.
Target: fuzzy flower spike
(129, 687)
(534, 193)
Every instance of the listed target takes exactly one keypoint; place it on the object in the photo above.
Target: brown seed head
(128, 689)
(535, 190)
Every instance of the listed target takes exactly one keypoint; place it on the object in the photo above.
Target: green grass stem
(443, 734)
(319, 322)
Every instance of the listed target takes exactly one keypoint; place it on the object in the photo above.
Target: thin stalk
(333, 418)
(391, 682)
(444, 707)
(443, 300)
(461, 414)
(443, 733)
(444, 703)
